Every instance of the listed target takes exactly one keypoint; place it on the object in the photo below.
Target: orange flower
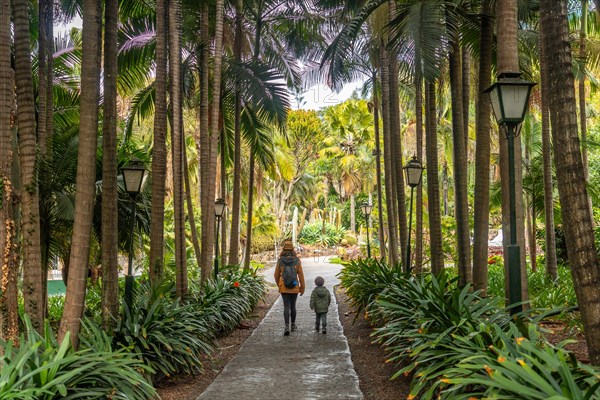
(519, 340)
(472, 398)
(411, 397)
(488, 370)
(445, 380)
(501, 359)
(236, 284)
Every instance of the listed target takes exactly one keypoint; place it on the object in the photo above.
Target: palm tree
(159, 150)
(234, 243)
(576, 217)
(482, 152)
(9, 326)
(550, 235)
(461, 205)
(433, 187)
(177, 146)
(86, 172)
(110, 266)
(32, 263)
(506, 20)
(209, 163)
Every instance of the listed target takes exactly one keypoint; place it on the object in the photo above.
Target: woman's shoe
(294, 328)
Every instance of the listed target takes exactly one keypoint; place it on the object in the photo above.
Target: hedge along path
(305, 365)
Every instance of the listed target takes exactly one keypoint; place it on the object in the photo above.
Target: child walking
(320, 299)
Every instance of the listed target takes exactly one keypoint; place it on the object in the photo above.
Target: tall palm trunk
(86, 172)
(236, 206)
(482, 153)
(204, 150)
(378, 167)
(177, 146)
(508, 61)
(190, 208)
(419, 139)
(42, 74)
(110, 266)
(461, 204)
(433, 185)
(159, 149)
(582, 99)
(396, 140)
(550, 234)
(209, 187)
(9, 317)
(390, 194)
(577, 220)
(250, 206)
(30, 208)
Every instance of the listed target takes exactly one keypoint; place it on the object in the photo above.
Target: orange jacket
(279, 279)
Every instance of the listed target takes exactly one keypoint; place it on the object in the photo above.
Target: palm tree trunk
(31, 244)
(550, 234)
(506, 11)
(378, 167)
(177, 147)
(86, 172)
(190, 208)
(110, 266)
(159, 150)
(352, 214)
(577, 220)
(582, 99)
(250, 205)
(208, 193)
(236, 206)
(204, 152)
(223, 193)
(396, 139)
(482, 153)
(419, 202)
(390, 194)
(461, 204)
(433, 186)
(42, 74)
(9, 316)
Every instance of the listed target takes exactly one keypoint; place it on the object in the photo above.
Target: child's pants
(321, 320)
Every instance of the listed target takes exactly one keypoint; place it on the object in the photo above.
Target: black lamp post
(413, 172)
(220, 206)
(510, 97)
(366, 209)
(133, 178)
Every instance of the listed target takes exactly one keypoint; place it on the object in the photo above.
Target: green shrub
(516, 366)
(167, 335)
(224, 303)
(41, 368)
(421, 312)
(367, 278)
(323, 235)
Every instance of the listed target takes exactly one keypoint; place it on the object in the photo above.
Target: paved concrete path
(305, 365)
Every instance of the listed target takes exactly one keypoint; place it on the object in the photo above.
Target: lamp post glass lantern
(366, 209)
(220, 206)
(133, 179)
(510, 97)
(413, 171)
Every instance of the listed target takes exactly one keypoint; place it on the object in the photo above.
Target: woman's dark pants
(289, 305)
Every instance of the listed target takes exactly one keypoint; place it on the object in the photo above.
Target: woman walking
(290, 280)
